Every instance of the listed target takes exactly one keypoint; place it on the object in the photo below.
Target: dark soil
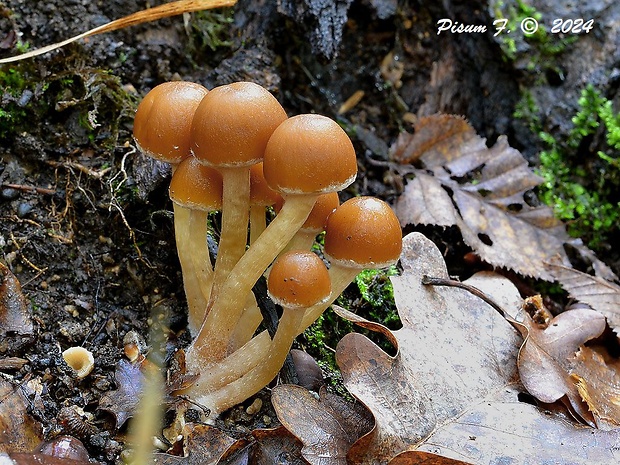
(86, 224)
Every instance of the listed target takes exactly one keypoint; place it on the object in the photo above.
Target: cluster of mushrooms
(234, 150)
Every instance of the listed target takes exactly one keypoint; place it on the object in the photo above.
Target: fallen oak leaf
(327, 426)
(462, 182)
(453, 388)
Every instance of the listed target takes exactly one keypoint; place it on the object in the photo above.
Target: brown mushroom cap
(363, 232)
(324, 206)
(232, 126)
(163, 120)
(298, 279)
(260, 193)
(196, 186)
(309, 154)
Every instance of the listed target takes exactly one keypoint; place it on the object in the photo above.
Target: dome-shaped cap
(196, 186)
(363, 232)
(323, 207)
(232, 126)
(309, 154)
(298, 279)
(260, 193)
(163, 120)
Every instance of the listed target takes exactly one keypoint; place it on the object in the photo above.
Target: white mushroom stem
(213, 342)
(257, 349)
(196, 299)
(237, 364)
(199, 250)
(235, 218)
(302, 240)
(254, 380)
(247, 324)
(258, 222)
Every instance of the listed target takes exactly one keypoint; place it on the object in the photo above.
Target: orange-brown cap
(298, 279)
(309, 154)
(232, 126)
(163, 121)
(196, 186)
(324, 206)
(363, 232)
(260, 193)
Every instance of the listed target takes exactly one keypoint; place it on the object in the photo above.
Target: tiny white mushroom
(80, 360)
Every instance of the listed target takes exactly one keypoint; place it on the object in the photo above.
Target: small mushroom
(80, 360)
(298, 280)
(315, 223)
(163, 120)
(195, 190)
(362, 233)
(230, 130)
(306, 156)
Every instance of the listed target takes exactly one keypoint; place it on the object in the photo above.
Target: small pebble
(24, 209)
(255, 407)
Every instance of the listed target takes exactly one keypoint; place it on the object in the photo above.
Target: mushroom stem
(247, 325)
(235, 218)
(258, 222)
(255, 379)
(213, 341)
(214, 376)
(340, 277)
(196, 300)
(302, 240)
(199, 250)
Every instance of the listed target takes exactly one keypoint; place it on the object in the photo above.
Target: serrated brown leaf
(453, 388)
(462, 182)
(327, 426)
(122, 401)
(600, 294)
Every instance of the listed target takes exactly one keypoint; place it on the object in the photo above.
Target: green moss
(378, 295)
(538, 51)
(583, 187)
(94, 98)
(210, 30)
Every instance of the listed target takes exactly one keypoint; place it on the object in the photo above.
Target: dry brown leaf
(204, 445)
(453, 388)
(327, 426)
(272, 446)
(598, 293)
(122, 401)
(481, 190)
(19, 431)
(15, 321)
(416, 457)
(545, 359)
(598, 384)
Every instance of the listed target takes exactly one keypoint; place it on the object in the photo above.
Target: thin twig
(21, 187)
(433, 281)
